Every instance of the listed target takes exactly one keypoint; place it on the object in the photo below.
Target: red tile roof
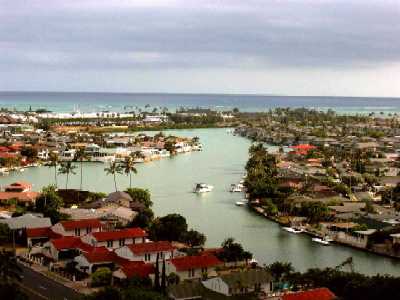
(42, 232)
(99, 254)
(19, 185)
(195, 262)
(87, 223)
(316, 294)
(71, 242)
(141, 270)
(151, 247)
(7, 155)
(119, 234)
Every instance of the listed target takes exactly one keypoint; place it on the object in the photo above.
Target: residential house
(314, 294)
(239, 283)
(147, 251)
(115, 239)
(77, 227)
(193, 267)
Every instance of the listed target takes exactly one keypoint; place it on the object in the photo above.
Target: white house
(77, 227)
(237, 283)
(192, 267)
(147, 252)
(115, 239)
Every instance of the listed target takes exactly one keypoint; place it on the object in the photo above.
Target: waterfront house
(89, 262)
(314, 294)
(65, 248)
(193, 267)
(240, 283)
(77, 227)
(116, 239)
(147, 251)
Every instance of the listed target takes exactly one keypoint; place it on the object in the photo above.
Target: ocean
(119, 102)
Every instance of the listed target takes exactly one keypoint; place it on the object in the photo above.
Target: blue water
(89, 102)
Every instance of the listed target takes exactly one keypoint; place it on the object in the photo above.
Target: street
(40, 287)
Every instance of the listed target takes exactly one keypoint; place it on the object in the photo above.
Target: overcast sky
(318, 47)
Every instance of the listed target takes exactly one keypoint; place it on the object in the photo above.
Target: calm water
(67, 102)
(220, 164)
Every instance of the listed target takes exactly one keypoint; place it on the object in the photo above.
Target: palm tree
(53, 159)
(67, 168)
(129, 168)
(80, 156)
(114, 169)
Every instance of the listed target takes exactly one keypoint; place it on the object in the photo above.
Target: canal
(221, 163)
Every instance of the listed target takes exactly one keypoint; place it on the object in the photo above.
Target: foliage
(113, 170)
(172, 227)
(280, 270)
(144, 219)
(4, 233)
(314, 211)
(193, 238)
(30, 152)
(233, 251)
(9, 269)
(140, 195)
(49, 203)
(101, 277)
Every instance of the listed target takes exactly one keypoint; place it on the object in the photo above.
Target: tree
(233, 251)
(193, 238)
(143, 219)
(4, 233)
(114, 169)
(129, 168)
(80, 156)
(140, 195)
(9, 268)
(48, 203)
(30, 153)
(67, 168)
(168, 228)
(280, 270)
(157, 274)
(101, 277)
(53, 162)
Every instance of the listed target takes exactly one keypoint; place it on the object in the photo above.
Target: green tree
(67, 168)
(101, 277)
(143, 219)
(53, 163)
(129, 168)
(49, 203)
(233, 251)
(80, 156)
(193, 238)
(113, 170)
(140, 195)
(4, 233)
(172, 227)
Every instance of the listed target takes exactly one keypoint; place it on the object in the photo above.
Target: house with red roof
(22, 198)
(117, 238)
(40, 235)
(315, 294)
(19, 187)
(66, 247)
(192, 267)
(147, 251)
(77, 227)
(89, 262)
(133, 269)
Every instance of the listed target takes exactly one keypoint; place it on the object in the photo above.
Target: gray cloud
(229, 34)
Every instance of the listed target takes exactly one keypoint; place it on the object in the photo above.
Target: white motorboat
(293, 229)
(240, 203)
(236, 188)
(202, 188)
(321, 241)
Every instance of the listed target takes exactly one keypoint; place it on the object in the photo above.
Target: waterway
(221, 163)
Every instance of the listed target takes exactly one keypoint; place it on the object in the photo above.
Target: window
(77, 231)
(191, 273)
(88, 229)
(109, 244)
(122, 242)
(147, 256)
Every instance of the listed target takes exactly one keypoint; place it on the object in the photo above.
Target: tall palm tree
(80, 156)
(114, 169)
(53, 162)
(67, 168)
(129, 168)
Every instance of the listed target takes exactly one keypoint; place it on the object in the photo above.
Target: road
(40, 287)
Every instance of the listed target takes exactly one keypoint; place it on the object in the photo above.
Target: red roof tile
(316, 294)
(119, 234)
(141, 270)
(195, 262)
(99, 254)
(151, 247)
(42, 232)
(87, 223)
(71, 242)
(19, 185)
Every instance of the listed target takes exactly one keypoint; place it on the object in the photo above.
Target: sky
(287, 47)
